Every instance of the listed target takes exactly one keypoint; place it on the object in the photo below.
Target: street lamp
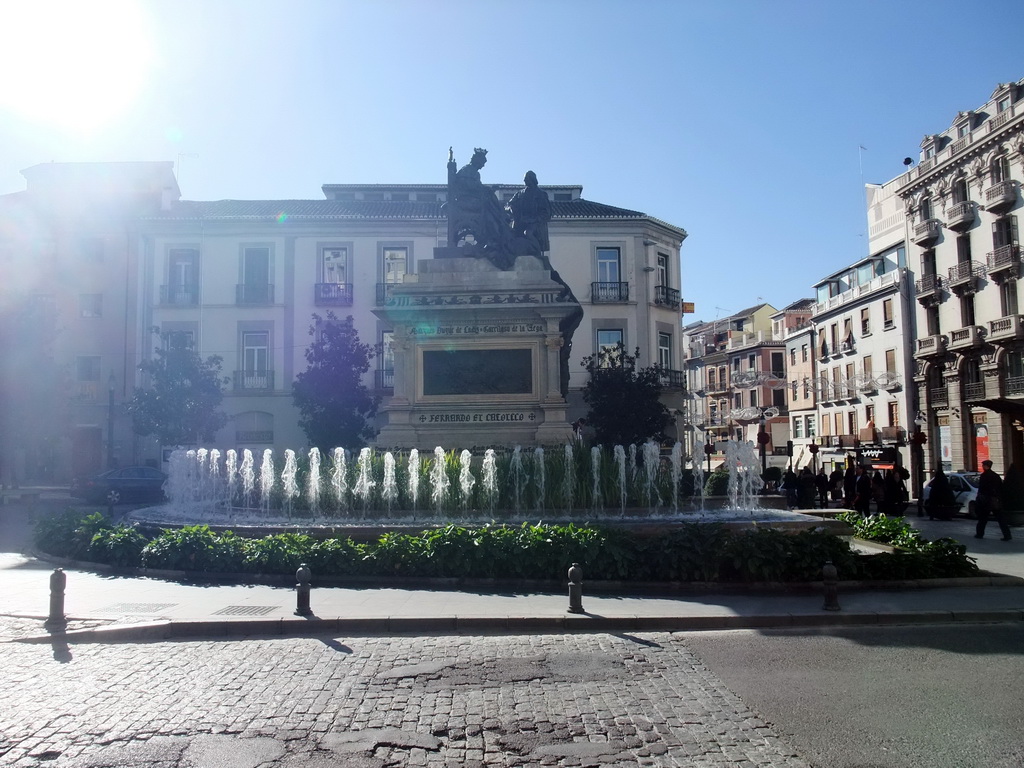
(111, 386)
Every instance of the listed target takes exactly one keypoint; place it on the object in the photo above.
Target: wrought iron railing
(609, 293)
(256, 381)
(333, 294)
(666, 297)
(179, 295)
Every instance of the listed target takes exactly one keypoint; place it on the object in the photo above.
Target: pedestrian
(891, 495)
(941, 501)
(836, 479)
(878, 490)
(849, 487)
(806, 489)
(862, 491)
(822, 482)
(990, 501)
(789, 485)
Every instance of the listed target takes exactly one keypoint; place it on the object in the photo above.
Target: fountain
(384, 489)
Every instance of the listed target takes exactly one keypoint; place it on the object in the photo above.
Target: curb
(457, 625)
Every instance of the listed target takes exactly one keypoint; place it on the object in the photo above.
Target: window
(932, 320)
(798, 427)
(395, 265)
(426, 197)
(255, 372)
(963, 248)
(753, 398)
(848, 372)
(254, 427)
(826, 425)
(926, 208)
(663, 269)
(893, 409)
(752, 362)
(812, 427)
(865, 273)
(833, 333)
(334, 265)
(90, 304)
(851, 422)
(91, 249)
(963, 130)
(608, 265)
(888, 320)
(848, 331)
(179, 340)
(400, 197)
(255, 287)
(865, 321)
(869, 414)
(959, 190)
(665, 350)
(608, 340)
(794, 387)
(1004, 232)
(563, 197)
(928, 263)
(1003, 104)
(866, 365)
(792, 356)
(1000, 169)
(967, 310)
(804, 353)
(88, 368)
(890, 361)
(1008, 298)
(182, 277)
(386, 361)
(711, 377)
(837, 420)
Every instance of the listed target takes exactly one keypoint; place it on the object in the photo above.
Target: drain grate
(137, 607)
(245, 610)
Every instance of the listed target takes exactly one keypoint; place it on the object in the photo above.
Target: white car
(965, 489)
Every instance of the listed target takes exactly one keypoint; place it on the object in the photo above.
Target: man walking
(990, 500)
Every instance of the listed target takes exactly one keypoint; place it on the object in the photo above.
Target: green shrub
(120, 546)
(70, 533)
(717, 483)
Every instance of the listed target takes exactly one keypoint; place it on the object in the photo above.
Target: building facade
(962, 202)
(243, 280)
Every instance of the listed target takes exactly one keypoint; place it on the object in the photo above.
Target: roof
(363, 209)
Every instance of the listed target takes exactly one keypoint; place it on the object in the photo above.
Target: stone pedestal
(477, 355)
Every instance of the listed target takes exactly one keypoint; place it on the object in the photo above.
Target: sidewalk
(120, 608)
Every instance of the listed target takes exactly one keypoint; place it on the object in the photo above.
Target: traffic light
(789, 447)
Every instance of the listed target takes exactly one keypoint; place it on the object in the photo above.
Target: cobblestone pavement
(368, 702)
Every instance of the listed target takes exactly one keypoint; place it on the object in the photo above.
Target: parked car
(965, 489)
(117, 486)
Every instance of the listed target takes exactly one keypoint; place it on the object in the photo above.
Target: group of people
(941, 501)
(856, 488)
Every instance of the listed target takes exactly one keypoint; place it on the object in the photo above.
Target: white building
(242, 279)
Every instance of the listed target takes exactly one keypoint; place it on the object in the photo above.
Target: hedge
(689, 552)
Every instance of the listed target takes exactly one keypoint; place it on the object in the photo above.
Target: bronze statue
(478, 212)
(531, 212)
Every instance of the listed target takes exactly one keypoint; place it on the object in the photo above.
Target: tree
(181, 404)
(334, 405)
(624, 399)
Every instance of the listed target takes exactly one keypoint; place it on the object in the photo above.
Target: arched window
(254, 428)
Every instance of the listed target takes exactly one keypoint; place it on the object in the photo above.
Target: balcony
(333, 294)
(609, 293)
(666, 297)
(961, 216)
(179, 295)
(965, 276)
(868, 435)
(1000, 196)
(894, 435)
(254, 293)
(254, 381)
(938, 397)
(254, 436)
(1004, 263)
(966, 338)
(974, 391)
(384, 379)
(87, 390)
(848, 441)
(671, 379)
(1014, 386)
(927, 232)
(930, 346)
(1006, 328)
(928, 288)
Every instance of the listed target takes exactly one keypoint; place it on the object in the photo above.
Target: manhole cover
(245, 610)
(137, 607)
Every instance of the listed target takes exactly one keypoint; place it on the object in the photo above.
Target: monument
(482, 332)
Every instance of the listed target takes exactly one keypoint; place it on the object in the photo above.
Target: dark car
(117, 486)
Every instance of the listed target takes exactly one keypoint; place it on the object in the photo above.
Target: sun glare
(71, 64)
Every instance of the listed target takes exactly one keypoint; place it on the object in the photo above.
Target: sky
(752, 125)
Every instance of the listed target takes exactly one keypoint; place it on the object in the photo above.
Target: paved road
(599, 700)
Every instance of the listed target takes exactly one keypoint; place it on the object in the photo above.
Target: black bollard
(57, 619)
(830, 578)
(576, 589)
(302, 576)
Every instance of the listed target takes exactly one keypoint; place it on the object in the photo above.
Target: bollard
(830, 578)
(302, 576)
(57, 619)
(575, 589)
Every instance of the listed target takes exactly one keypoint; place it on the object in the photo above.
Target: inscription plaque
(478, 372)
